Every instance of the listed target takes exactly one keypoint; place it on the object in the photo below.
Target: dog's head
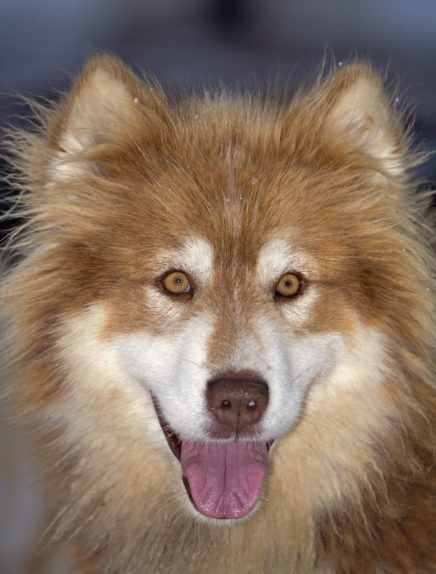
(221, 274)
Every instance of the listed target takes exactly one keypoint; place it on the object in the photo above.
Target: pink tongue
(225, 479)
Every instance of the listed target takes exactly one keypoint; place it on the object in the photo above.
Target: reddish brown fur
(135, 187)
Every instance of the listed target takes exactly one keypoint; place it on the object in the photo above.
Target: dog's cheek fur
(174, 368)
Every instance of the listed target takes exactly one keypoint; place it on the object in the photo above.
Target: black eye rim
(301, 287)
(160, 282)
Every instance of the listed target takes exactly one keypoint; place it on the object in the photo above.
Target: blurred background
(191, 42)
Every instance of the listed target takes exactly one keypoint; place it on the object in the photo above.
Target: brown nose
(237, 402)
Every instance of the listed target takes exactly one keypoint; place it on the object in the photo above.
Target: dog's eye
(177, 283)
(288, 285)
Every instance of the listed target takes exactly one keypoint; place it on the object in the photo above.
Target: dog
(220, 327)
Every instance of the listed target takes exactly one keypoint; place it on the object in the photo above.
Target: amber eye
(288, 285)
(177, 282)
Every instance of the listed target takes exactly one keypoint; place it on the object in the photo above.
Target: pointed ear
(361, 118)
(105, 108)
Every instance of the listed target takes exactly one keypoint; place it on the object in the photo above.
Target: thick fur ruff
(309, 268)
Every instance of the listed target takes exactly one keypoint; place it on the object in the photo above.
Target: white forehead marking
(195, 256)
(276, 257)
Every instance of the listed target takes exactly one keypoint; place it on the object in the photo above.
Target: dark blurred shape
(230, 13)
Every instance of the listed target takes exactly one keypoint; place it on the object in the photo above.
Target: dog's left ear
(101, 115)
(360, 117)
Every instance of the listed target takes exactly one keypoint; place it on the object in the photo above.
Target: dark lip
(173, 439)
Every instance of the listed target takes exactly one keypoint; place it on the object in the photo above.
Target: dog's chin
(223, 479)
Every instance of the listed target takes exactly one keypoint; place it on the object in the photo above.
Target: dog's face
(225, 265)
(231, 356)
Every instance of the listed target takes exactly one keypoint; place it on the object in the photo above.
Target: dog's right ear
(360, 117)
(103, 112)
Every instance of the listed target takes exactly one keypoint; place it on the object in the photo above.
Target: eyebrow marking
(277, 257)
(195, 256)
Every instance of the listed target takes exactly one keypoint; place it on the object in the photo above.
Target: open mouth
(223, 479)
